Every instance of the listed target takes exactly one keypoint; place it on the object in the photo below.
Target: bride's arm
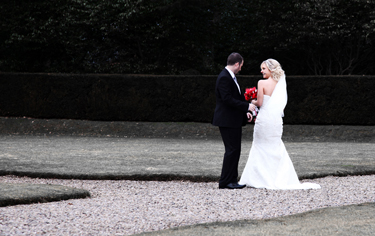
(259, 100)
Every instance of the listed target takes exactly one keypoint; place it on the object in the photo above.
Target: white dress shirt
(234, 78)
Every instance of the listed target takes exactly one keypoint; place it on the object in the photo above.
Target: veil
(279, 98)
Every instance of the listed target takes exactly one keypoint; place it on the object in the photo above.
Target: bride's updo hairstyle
(275, 68)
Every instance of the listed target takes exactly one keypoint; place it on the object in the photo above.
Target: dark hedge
(323, 100)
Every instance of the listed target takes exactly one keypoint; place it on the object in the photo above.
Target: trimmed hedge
(314, 100)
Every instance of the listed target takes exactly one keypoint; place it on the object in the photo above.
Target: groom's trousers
(232, 143)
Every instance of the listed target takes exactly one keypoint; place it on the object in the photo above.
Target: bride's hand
(252, 107)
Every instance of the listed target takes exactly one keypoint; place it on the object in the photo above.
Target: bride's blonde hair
(275, 68)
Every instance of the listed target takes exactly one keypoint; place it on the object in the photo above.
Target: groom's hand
(249, 117)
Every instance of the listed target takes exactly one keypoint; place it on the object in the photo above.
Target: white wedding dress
(269, 165)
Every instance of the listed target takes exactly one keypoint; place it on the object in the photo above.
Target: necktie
(238, 86)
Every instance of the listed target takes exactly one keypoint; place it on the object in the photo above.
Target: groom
(231, 113)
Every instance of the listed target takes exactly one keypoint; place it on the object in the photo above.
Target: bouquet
(250, 94)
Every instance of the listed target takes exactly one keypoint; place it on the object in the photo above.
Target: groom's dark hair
(233, 58)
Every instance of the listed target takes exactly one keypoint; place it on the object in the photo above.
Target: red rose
(251, 93)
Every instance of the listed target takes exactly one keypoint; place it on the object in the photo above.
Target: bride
(269, 165)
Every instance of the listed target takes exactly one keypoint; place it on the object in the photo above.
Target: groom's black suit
(230, 116)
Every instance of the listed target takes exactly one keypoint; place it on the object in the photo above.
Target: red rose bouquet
(250, 94)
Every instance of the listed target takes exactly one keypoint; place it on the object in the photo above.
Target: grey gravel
(127, 207)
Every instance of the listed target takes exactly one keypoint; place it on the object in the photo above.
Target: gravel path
(130, 207)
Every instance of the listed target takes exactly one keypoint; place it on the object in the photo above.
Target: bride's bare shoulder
(267, 82)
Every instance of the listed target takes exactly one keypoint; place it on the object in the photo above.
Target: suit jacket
(231, 106)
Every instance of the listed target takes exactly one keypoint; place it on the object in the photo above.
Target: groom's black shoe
(233, 186)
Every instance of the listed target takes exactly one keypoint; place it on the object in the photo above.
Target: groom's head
(235, 61)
